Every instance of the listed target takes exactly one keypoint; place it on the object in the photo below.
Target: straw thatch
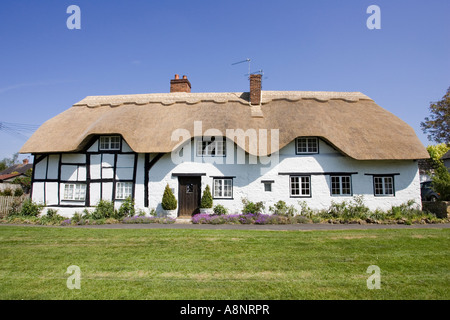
(351, 122)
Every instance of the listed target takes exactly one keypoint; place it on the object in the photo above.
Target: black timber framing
(87, 202)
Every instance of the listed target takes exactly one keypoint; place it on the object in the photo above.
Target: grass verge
(223, 264)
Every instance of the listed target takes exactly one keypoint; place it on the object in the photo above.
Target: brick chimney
(180, 85)
(255, 89)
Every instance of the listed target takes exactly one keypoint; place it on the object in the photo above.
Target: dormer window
(306, 145)
(108, 143)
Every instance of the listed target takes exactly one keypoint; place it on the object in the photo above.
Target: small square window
(124, 190)
(307, 145)
(109, 143)
(268, 186)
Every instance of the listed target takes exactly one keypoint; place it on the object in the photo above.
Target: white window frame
(124, 189)
(106, 143)
(340, 183)
(311, 145)
(205, 147)
(74, 192)
(385, 184)
(303, 190)
(219, 188)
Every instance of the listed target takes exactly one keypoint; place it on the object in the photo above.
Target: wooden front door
(189, 189)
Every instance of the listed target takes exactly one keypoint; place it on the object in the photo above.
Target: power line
(18, 130)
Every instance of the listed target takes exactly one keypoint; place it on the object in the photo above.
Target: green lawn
(223, 264)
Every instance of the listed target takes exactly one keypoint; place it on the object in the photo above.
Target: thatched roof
(350, 121)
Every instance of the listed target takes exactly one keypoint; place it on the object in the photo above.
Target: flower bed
(248, 218)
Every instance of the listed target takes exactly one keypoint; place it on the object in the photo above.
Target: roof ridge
(216, 97)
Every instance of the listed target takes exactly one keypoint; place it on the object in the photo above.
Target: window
(307, 145)
(341, 186)
(223, 188)
(268, 186)
(123, 190)
(75, 192)
(383, 186)
(300, 186)
(110, 143)
(211, 147)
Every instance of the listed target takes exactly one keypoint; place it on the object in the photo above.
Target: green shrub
(280, 208)
(18, 192)
(86, 214)
(14, 209)
(77, 217)
(220, 209)
(104, 209)
(51, 218)
(126, 208)
(7, 192)
(406, 210)
(251, 207)
(378, 215)
(141, 213)
(30, 208)
(441, 182)
(305, 210)
(169, 202)
(355, 209)
(52, 213)
(207, 200)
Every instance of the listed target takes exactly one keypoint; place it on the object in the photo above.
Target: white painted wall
(247, 181)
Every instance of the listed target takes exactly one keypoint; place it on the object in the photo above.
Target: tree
(441, 182)
(9, 162)
(437, 126)
(441, 176)
(207, 200)
(169, 202)
(436, 152)
(25, 181)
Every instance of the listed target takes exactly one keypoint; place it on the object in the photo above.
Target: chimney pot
(177, 76)
(25, 161)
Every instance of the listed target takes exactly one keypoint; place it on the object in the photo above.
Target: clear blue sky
(127, 47)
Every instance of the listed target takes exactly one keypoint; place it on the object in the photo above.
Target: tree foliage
(441, 182)
(207, 200)
(9, 162)
(437, 125)
(436, 152)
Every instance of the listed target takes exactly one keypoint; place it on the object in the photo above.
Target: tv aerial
(260, 71)
(246, 60)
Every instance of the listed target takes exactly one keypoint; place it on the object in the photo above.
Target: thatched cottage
(316, 147)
